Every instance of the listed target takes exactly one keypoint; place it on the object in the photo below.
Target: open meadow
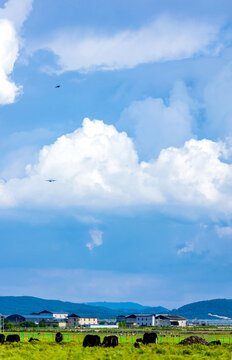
(75, 351)
(71, 348)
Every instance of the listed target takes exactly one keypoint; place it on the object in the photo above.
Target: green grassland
(164, 336)
(71, 348)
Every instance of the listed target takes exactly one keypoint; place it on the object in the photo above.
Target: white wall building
(154, 320)
(59, 316)
(76, 320)
(46, 315)
(145, 320)
(130, 320)
(87, 321)
(170, 320)
(106, 326)
(140, 320)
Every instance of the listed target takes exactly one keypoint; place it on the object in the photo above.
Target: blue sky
(138, 138)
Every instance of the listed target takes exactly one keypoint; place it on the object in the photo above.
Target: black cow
(2, 338)
(136, 345)
(91, 340)
(59, 337)
(13, 338)
(32, 339)
(110, 341)
(215, 342)
(150, 338)
(139, 340)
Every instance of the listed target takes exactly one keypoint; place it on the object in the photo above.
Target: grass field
(74, 351)
(71, 348)
(129, 338)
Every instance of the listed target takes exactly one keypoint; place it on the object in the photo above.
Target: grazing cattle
(91, 340)
(2, 338)
(13, 338)
(59, 337)
(215, 342)
(139, 340)
(136, 345)
(150, 338)
(32, 339)
(110, 341)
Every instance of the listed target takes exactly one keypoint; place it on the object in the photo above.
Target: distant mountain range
(125, 308)
(202, 309)
(104, 310)
(25, 305)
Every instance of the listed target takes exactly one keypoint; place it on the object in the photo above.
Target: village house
(76, 320)
(170, 320)
(130, 320)
(140, 320)
(152, 320)
(46, 315)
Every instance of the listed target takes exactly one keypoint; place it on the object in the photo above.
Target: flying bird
(50, 180)
(57, 86)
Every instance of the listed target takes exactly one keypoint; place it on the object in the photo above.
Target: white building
(105, 326)
(170, 320)
(76, 320)
(46, 315)
(130, 320)
(59, 316)
(140, 320)
(145, 320)
(62, 324)
(153, 320)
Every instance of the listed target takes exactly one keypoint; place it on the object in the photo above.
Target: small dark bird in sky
(51, 180)
(57, 86)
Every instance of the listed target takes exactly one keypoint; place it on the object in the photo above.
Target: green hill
(25, 305)
(104, 310)
(202, 309)
(130, 307)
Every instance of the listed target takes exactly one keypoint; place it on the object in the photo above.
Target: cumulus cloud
(186, 249)
(96, 237)
(87, 219)
(164, 39)
(12, 17)
(223, 231)
(16, 11)
(8, 55)
(155, 125)
(97, 167)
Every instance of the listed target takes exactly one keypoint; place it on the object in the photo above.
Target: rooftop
(170, 317)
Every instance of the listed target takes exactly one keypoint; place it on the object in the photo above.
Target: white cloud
(87, 219)
(11, 17)
(98, 167)
(164, 39)
(8, 55)
(195, 174)
(96, 237)
(223, 231)
(186, 249)
(16, 11)
(155, 125)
